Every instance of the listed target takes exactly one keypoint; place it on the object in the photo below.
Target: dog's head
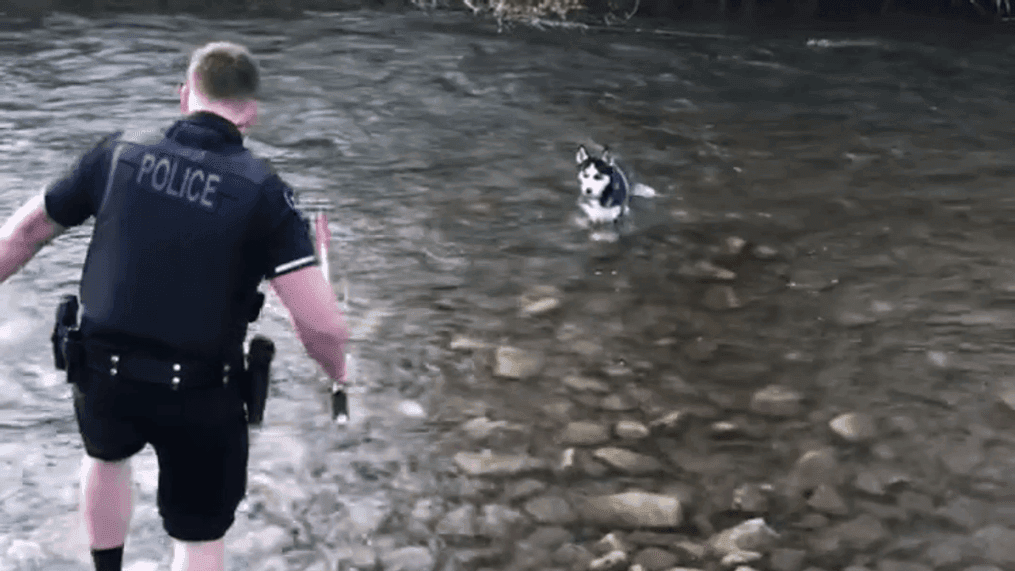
(600, 178)
(594, 174)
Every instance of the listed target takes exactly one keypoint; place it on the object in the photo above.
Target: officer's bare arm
(316, 316)
(24, 233)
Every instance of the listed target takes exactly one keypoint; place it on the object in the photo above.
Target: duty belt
(175, 373)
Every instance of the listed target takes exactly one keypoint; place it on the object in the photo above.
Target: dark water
(879, 168)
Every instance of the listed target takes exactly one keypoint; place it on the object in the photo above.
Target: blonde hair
(224, 71)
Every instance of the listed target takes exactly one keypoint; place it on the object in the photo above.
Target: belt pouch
(258, 377)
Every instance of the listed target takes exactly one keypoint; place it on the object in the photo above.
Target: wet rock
(814, 468)
(854, 427)
(618, 403)
(705, 270)
(775, 400)
(787, 559)
(825, 499)
(743, 543)
(539, 300)
(583, 434)
(612, 561)
(549, 537)
(481, 428)
(585, 384)
(701, 349)
(496, 521)
(861, 532)
(459, 522)
(523, 488)
(424, 513)
(463, 343)
(490, 464)
(633, 510)
(408, 559)
(877, 481)
(572, 556)
(528, 558)
(948, 551)
(272, 563)
(763, 252)
(515, 363)
(750, 498)
(997, 544)
(655, 559)
(721, 298)
(643, 538)
(812, 521)
(964, 512)
(628, 462)
(670, 423)
(631, 430)
(559, 410)
(551, 510)
(732, 247)
(610, 542)
(271, 539)
(963, 457)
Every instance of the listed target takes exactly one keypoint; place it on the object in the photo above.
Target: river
(857, 185)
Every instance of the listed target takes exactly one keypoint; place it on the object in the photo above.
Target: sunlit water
(880, 169)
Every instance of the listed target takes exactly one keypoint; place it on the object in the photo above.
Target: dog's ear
(582, 155)
(607, 157)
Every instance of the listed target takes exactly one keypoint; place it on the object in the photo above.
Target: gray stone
(497, 521)
(753, 536)
(408, 559)
(585, 384)
(892, 565)
(515, 363)
(701, 349)
(612, 561)
(618, 403)
(854, 427)
(549, 537)
(964, 512)
(655, 559)
(814, 468)
(551, 510)
(721, 298)
(356, 556)
(861, 532)
(787, 559)
(826, 499)
(463, 343)
(627, 461)
(948, 551)
(489, 464)
(776, 400)
(631, 430)
(997, 543)
(669, 423)
(750, 498)
(583, 434)
(574, 556)
(633, 510)
(459, 522)
(522, 489)
(705, 270)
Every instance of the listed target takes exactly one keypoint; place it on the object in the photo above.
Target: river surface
(875, 169)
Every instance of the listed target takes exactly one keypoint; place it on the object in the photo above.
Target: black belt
(175, 373)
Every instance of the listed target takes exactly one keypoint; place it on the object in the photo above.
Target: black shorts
(200, 437)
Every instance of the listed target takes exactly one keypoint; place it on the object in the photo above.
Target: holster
(257, 378)
(68, 349)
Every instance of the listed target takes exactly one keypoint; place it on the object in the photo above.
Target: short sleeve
(290, 246)
(71, 199)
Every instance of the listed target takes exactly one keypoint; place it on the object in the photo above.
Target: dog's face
(593, 174)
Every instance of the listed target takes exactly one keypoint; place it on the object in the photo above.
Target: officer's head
(222, 78)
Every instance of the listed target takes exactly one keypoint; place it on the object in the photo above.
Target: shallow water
(878, 168)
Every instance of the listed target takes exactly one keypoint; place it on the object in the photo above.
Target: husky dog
(605, 187)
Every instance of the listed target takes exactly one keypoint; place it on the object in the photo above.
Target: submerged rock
(515, 363)
(633, 510)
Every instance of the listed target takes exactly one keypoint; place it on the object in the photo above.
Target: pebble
(750, 498)
(550, 510)
(585, 384)
(655, 559)
(583, 434)
(490, 464)
(459, 522)
(627, 461)
(515, 363)
(814, 468)
(668, 424)
(854, 427)
(408, 559)
(721, 298)
(612, 561)
(631, 430)
(826, 499)
(777, 401)
(634, 509)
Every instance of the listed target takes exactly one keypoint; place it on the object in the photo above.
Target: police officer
(187, 223)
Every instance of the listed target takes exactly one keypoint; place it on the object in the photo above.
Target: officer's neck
(243, 115)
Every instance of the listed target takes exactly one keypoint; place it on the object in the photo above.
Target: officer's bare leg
(198, 555)
(107, 501)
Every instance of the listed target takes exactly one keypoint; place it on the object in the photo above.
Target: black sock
(108, 559)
